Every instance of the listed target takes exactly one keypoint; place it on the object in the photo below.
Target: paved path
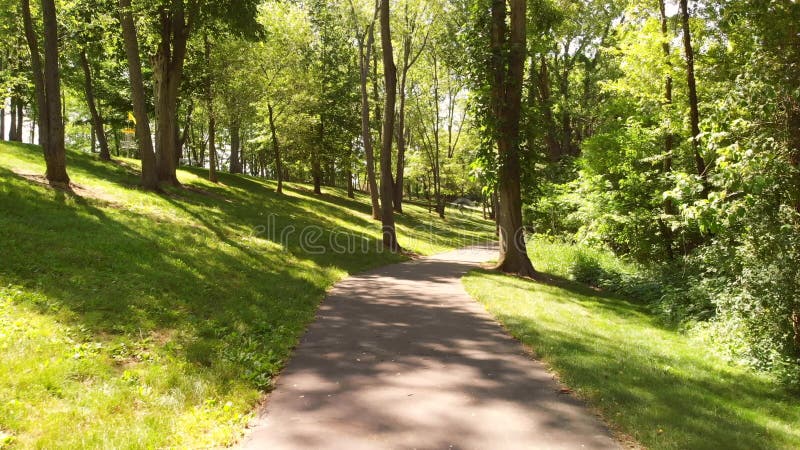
(402, 358)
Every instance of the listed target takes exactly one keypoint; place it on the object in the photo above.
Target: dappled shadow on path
(400, 357)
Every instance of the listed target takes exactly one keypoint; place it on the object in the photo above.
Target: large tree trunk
(167, 74)
(97, 120)
(55, 154)
(276, 148)
(390, 80)
(364, 52)
(47, 82)
(506, 93)
(145, 143)
(694, 113)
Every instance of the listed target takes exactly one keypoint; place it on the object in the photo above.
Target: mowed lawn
(666, 389)
(131, 319)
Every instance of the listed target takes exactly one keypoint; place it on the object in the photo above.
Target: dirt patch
(73, 189)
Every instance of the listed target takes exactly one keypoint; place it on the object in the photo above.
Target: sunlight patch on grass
(142, 320)
(665, 389)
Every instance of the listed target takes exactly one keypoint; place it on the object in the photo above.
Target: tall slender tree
(694, 111)
(47, 83)
(98, 127)
(366, 40)
(142, 122)
(390, 82)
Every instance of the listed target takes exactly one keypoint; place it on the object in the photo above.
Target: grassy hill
(131, 319)
(667, 388)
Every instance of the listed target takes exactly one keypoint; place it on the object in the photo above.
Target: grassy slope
(131, 320)
(664, 388)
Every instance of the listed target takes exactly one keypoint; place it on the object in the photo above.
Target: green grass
(131, 319)
(665, 389)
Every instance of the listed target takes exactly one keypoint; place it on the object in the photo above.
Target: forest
(664, 134)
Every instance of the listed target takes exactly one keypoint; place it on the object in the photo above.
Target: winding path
(402, 357)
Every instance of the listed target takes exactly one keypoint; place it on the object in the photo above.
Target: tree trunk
(20, 120)
(145, 143)
(694, 113)
(506, 93)
(401, 127)
(2, 109)
(235, 165)
(366, 131)
(185, 135)
(554, 150)
(12, 123)
(97, 120)
(316, 164)
(390, 81)
(47, 83)
(212, 122)
(212, 149)
(167, 75)
(669, 208)
(276, 148)
(348, 173)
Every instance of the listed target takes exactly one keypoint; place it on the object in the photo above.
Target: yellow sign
(131, 118)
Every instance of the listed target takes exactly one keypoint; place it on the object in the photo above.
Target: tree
(97, 120)
(366, 39)
(694, 112)
(212, 119)
(142, 122)
(507, 70)
(409, 56)
(47, 83)
(390, 80)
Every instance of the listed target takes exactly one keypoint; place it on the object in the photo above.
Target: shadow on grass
(653, 383)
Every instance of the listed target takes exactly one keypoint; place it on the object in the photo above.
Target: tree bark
(694, 113)
(276, 148)
(408, 61)
(20, 120)
(365, 54)
(506, 94)
(212, 122)
(47, 83)
(97, 120)
(390, 80)
(669, 208)
(2, 109)
(167, 75)
(316, 164)
(145, 143)
(554, 150)
(235, 130)
(12, 125)
(184, 138)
